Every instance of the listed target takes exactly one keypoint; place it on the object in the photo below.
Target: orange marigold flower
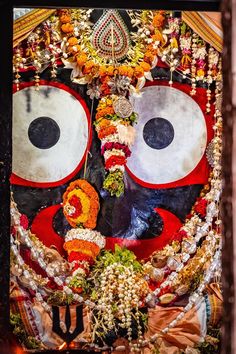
(81, 59)
(130, 72)
(152, 50)
(67, 28)
(87, 188)
(74, 49)
(107, 131)
(72, 41)
(65, 18)
(106, 70)
(158, 20)
(138, 71)
(157, 37)
(145, 66)
(122, 70)
(105, 112)
(82, 246)
(102, 70)
(89, 67)
(92, 220)
(148, 57)
(125, 71)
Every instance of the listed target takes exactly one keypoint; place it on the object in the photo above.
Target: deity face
(53, 129)
(163, 178)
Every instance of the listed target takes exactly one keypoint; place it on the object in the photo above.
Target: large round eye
(171, 137)
(50, 135)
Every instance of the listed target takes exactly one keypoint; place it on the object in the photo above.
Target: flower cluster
(119, 290)
(185, 40)
(80, 207)
(81, 204)
(83, 245)
(114, 128)
(157, 34)
(71, 42)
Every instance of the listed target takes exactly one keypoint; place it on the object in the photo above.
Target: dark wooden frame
(228, 331)
(6, 22)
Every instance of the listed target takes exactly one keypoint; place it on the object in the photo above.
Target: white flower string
(38, 256)
(193, 64)
(195, 297)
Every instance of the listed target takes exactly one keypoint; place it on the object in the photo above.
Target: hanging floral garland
(114, 119)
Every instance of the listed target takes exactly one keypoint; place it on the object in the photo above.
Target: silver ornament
(122, 107)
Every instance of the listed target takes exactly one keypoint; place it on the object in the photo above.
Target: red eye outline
(14, 179)
(200, 174)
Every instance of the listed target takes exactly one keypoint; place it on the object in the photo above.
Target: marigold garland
(81, 246)
(80, 207)
(116, 134)
(82, 193)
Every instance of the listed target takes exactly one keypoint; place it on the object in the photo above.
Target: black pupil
(158, 133)
(44, 132)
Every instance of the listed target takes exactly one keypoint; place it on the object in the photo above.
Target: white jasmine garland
(86, 235)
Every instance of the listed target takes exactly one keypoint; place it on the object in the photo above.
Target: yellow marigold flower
(85, 203)
(81, 59)
(138, 71)
(110, 70)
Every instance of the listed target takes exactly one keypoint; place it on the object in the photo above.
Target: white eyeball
(171, 136)
(50, 134)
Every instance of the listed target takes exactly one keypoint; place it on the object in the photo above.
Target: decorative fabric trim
(27, 23)
(200, 22)
(205, 27)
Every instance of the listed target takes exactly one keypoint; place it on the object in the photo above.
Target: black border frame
(177, 5)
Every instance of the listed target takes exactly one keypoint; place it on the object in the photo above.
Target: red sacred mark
(43, 228)
(14, 179)
(200, 174)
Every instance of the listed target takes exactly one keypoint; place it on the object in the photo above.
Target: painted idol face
(164, 175)
(53, 128)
